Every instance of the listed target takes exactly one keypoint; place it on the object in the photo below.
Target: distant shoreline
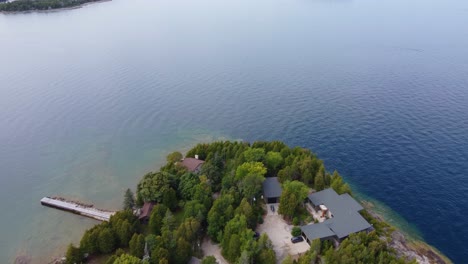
(53, 10)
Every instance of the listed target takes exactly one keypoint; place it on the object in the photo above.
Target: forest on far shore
(38, 5)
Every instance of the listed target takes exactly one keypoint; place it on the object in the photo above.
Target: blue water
(92, 98)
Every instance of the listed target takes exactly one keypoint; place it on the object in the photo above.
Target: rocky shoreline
(418, 250)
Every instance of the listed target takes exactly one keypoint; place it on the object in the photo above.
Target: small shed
(272, 190)
(145, 211)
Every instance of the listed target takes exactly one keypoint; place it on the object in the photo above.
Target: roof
(271, 187)
(343, 227)
(339, 205)
(191, 164)
(314, 231)
(345, 210)
(146, 210)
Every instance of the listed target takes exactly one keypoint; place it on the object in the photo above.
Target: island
(40, 5)
(237, 202)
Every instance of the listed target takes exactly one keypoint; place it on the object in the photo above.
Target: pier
(77, 208)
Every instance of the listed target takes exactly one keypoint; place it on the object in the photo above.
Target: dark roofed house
(271, 190)
(192, 164)
(343, 216)
(145, 211)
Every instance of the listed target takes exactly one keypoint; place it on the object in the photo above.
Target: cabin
(192, 164)
(145, 211)
(341, 213)
(271, 190)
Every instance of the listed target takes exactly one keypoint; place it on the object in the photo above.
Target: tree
(169, 222)
(106, 241)
(129, 200)
(250, 168)
(137, 245)
(209, 260)
(153, 186)
(273, 160)
(265, 253)
(127, 259)
(156, 218)
(221, 212)
(296, 231)
(73, 255)
(250, 176)
(195, 209)
(188, 230)
(184, 251)
(254, 154)
(159, 254)
(124, 231)
(174, 157)
(319, 183)
(213, 173)
(246, 209)
(169, 198)
(293, 195)
(187, 184)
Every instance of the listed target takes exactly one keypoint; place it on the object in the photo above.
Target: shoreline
(53, 10)
(406, 245)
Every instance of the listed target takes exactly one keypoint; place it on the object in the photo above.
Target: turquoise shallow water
(92, 98)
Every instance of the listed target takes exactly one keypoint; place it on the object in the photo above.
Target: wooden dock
(77, 208)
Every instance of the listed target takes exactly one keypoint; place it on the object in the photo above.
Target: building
(192, 164)
(341, 213)
(271, 190)
(145, 211)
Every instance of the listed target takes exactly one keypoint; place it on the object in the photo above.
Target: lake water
(92, 98)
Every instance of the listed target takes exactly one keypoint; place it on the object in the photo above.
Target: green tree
(169, 222)
(221, 212)
(273, 160)
(106, 241)
(73, 255)
(265, 253)
(246, 209)
(254, 154)
(319, 183)
(184, 251)
(296, 231)
(127, 259)
(156, 218)
(174, 157)
(153, 186)
(129, 200)
(170, 198)
(293, 195)
(187, 184)
(137, 245)
(209, 260)
(159, 254)
(250, 176)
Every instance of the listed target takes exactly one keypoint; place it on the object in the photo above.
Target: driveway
(279, 233)
(212, 249)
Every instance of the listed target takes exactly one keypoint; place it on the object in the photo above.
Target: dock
(77, 208)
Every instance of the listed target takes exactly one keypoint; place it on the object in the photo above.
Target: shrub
(296, 231)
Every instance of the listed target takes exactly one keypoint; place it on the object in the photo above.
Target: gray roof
(314, 231)
(271, 187)
(345, 210)
(339, 205)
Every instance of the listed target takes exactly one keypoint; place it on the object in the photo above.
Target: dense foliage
(224, 202)
(30, 5)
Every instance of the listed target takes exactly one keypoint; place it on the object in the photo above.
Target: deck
(77, 208)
